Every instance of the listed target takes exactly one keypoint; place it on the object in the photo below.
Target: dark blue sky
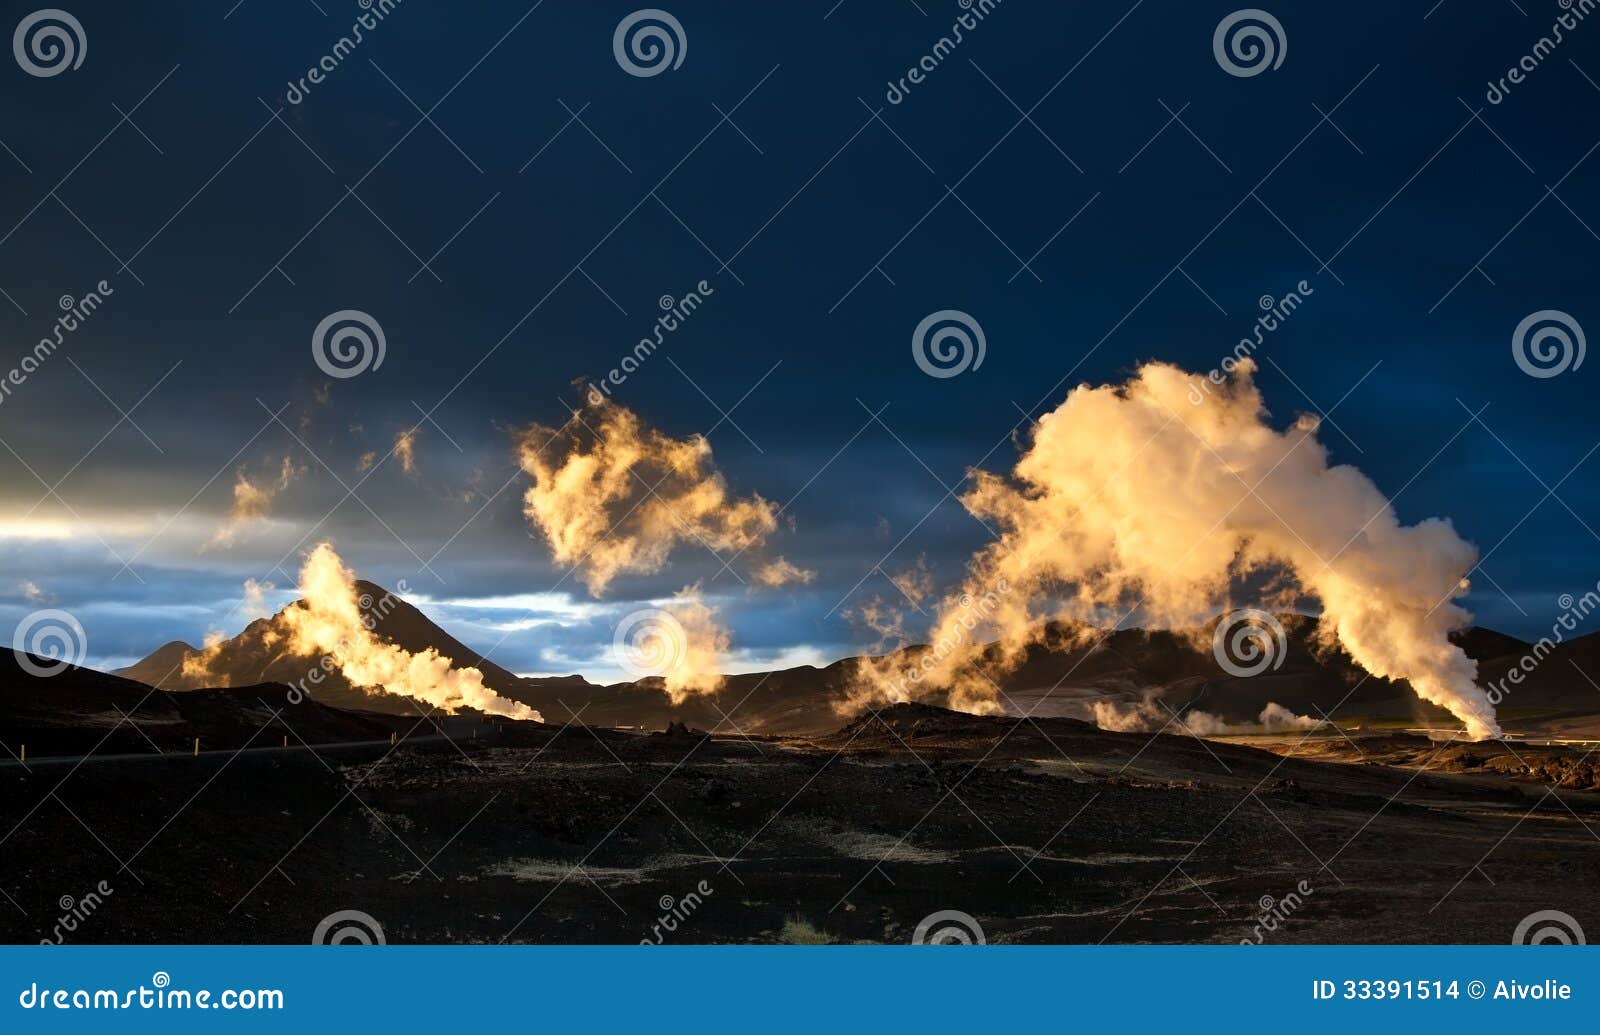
(550, 240)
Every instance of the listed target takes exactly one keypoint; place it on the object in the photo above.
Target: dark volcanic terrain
(796, 821)
(1046, 831)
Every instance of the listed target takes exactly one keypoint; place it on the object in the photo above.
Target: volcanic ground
(1046, 830)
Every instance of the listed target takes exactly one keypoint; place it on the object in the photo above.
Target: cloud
(780, 572)
(612, 496)
(405, 450)
(252, 499)
(1159, 497)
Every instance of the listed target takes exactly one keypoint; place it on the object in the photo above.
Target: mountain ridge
(1124, 667)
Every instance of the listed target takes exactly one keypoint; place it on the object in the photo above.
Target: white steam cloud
(1154, 496)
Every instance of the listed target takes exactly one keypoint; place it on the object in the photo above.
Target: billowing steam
(331, 622)
(1149, 716)
(680, 642)
(328, 621)
(252, 498)
(613, 496)
(1165, 493)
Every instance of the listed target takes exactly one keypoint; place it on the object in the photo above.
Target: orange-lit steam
(613, 496)
(328, 621)
(780, 571)
(252, 498)
(1156, 496)
(405, 450)
(697, 669)
(681, 643)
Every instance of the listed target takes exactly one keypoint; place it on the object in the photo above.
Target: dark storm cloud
(498, 280)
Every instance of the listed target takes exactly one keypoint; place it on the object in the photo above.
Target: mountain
(76, 710)
(1064, 676)
(257, 655)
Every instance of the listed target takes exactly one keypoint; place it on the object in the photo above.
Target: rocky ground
(1046, 831)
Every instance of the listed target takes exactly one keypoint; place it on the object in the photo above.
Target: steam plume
(1148, 716)
(405, 450)
(1160, 496)
(613, 496)
(252, 498)
(328, 621)
(698, 665)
